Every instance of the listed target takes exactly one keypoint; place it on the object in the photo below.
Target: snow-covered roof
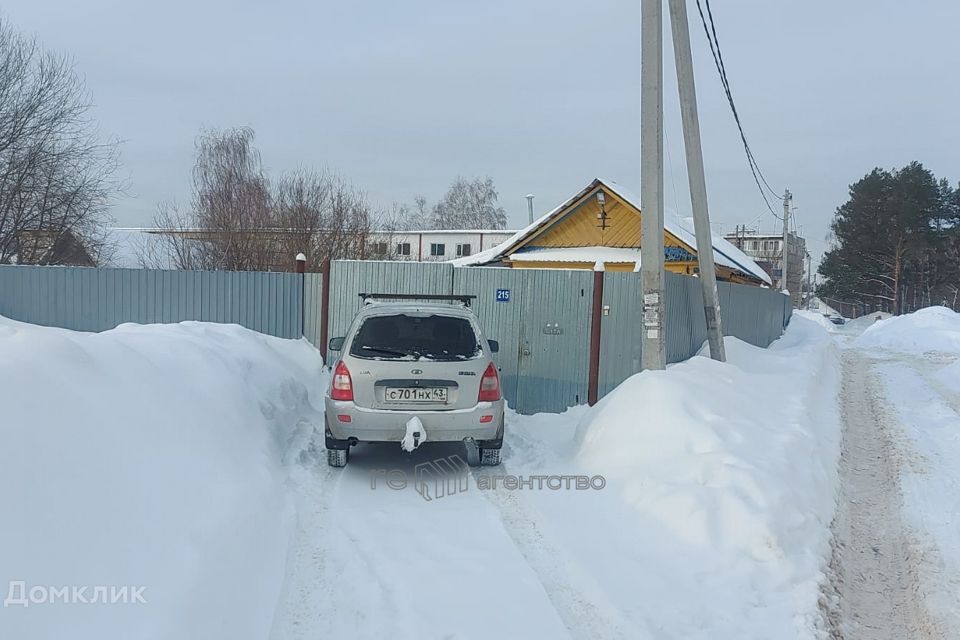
(724, 253)
(447, 231)
(610, 255)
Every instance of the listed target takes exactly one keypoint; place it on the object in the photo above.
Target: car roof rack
(465, 300)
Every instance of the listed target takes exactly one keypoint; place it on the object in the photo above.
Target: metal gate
(554, 339)
(542, 320)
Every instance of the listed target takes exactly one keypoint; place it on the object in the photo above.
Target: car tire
(490, 457)
(338, 457)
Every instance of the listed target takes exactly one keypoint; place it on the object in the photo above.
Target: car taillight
(489, 385)
(342, 386)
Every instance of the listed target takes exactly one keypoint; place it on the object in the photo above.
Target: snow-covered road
(375, 561)
(897, 529)
(383, 562)
(719, 484)
(699, 529)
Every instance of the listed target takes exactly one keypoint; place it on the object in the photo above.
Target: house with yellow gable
(601, 223)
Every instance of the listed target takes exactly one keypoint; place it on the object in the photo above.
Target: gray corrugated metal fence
(349, 278)
(542, 318)
(86, 299)
(312, 306)
(543, 330)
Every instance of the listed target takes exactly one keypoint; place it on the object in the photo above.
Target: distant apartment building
(767, 251)
(436, 245)
(278, 246)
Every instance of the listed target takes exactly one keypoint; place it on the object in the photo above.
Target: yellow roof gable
(575, 224)
(581, 223)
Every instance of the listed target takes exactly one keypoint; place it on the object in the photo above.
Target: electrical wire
(714, 42)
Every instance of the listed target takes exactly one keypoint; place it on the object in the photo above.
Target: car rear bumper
(379, 425)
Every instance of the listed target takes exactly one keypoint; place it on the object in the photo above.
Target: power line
(714, 42)
(726, 83)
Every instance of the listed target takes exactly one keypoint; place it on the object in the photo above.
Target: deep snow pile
(721, 486)
(859, 325)
(930, 482)
(817, 318)
(931, 329)
(150, 456)
(949, 376)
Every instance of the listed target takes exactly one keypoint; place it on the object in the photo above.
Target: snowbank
(817, 318)
(934, 329)
(721, 486)
(150, 456)
(859, 325)
(949, 376)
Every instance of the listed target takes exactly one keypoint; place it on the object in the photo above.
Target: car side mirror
(336, 344)
(494, 346)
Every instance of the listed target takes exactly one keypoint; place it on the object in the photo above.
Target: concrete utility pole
(653, 354)
(786, 236)
(530, 207)
(697, 180)
(809, 290)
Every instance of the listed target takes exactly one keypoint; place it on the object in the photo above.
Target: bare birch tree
(238, 220)
(231, 201)
(469, 204)
(322, 216)
(56, 175)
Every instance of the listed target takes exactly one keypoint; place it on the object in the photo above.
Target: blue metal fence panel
(86, 299)
(620, 328)
(312, 307)
(682, 307)
(752, 314)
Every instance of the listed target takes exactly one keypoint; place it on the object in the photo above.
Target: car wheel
(489, 457)
(338, 457)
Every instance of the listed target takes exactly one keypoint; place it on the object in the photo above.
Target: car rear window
(399, 337)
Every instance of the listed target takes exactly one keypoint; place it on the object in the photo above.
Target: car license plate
(416, 394)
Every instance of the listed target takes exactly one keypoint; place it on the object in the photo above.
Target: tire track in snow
(308, 583)
(388, 564)
(575, 595)
(929, 413)
(876, 563)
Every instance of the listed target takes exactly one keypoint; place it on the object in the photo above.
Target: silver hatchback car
(412, 372)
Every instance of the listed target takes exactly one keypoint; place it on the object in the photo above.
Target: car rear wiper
(391, 352)
(445, 357)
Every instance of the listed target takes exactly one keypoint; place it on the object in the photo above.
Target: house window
(403, 248)
(437, 249)
(379, 248)
(463, 250)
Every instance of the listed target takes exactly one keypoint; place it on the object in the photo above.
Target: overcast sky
(541, 95)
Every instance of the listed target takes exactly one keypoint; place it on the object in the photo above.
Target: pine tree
(891, 240)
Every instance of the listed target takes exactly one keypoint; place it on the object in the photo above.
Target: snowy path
(890, 574)
(387, 563)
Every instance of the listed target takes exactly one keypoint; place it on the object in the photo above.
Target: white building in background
(767, 251)
(437, 245)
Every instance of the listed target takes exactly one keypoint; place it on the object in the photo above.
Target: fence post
(300, 269)
(325, 309)
(596, 315)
